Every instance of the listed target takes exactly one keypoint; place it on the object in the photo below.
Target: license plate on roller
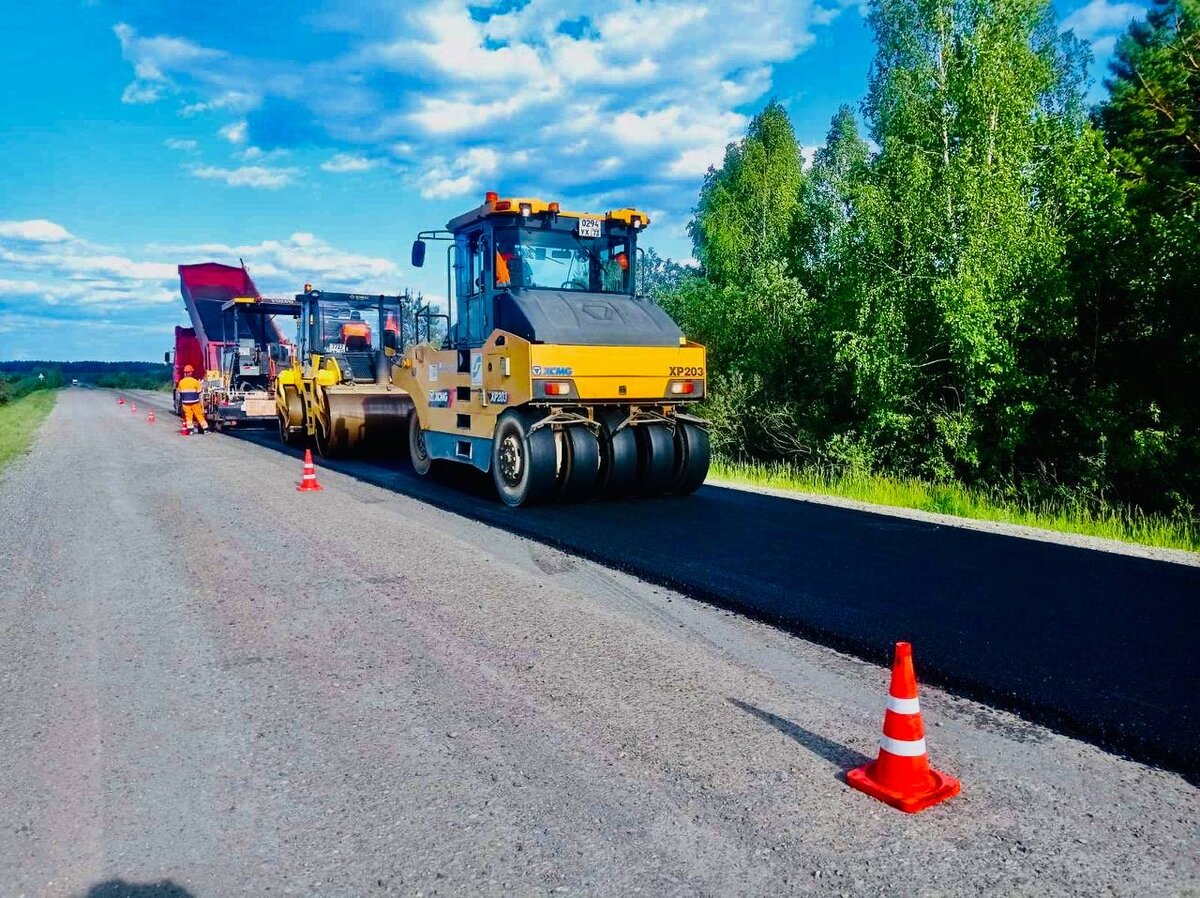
(589, 227)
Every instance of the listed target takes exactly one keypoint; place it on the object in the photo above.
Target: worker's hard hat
(356, 315)
(188, 369)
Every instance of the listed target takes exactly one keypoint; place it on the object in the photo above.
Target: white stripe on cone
(905, 748)
(903, 705)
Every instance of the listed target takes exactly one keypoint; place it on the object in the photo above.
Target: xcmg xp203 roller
(555, 375)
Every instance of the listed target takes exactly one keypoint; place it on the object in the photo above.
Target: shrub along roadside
(974, 280)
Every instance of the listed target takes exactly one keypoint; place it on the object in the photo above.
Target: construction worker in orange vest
(189, 399)
(356, 333)
(391, 327)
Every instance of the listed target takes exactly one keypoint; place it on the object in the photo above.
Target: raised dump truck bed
(234, 344)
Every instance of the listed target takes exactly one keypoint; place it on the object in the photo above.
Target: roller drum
(361, 421)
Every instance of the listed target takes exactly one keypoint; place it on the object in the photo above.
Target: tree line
(18, 379)
(981, 279)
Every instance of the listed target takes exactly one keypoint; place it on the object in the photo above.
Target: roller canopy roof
(585, 319)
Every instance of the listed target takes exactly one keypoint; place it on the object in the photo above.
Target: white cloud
(71, 273)
(340, 163)
(152, 59)
(280, 267)
(691, 163)
(259, 155)
(461, 115)
(139, 92)
(75, 280)
(36, 230)
(557, 94)
(1100, 17)
(447, 178)
(184, 146)
(10, 287)
(259, 176)
(231, 99)
(234, 132)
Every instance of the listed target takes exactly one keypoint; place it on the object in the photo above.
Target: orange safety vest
(356, 329)
(189, 390)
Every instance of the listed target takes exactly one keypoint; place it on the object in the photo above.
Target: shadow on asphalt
(1094, 644)
(840, 756)
(119, 888)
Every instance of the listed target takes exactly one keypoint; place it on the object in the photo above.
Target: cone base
(943, 787)
(302, 488)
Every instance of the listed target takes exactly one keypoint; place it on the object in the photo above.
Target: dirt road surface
(214, 682)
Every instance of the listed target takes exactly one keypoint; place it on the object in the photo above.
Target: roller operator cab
(555, 375)
(338, 391)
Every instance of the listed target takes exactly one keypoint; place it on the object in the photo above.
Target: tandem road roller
(555, 376)
(339, 391)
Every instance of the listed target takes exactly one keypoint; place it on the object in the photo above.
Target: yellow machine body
(556, 376)
(513, 374)
(343, 401)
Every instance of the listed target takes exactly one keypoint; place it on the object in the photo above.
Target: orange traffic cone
(184, 430)
(150, 419)
(133, 408)
(901, 775)
(308, 482)
(120, 400)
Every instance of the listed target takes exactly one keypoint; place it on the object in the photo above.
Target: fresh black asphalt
(1096, 644)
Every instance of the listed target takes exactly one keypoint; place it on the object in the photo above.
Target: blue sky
(313, 140)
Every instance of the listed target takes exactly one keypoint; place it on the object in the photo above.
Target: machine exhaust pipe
(383, 368)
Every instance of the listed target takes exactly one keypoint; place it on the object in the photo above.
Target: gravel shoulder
(213, 679)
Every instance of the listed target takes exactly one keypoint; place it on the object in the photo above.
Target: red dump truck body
(232, 344)
(206, 287)
(187, 352)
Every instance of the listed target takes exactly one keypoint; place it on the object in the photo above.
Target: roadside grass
(19, 422)
(1111, 522)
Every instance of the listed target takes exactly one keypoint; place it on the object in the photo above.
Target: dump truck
(234, 345)
(338, 391)
(555, 376)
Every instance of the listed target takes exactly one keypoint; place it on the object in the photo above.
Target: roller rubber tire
(691, 458)
(580, 465)
(618, 456)
(656, 459)
(524, 464)
(417, 453)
